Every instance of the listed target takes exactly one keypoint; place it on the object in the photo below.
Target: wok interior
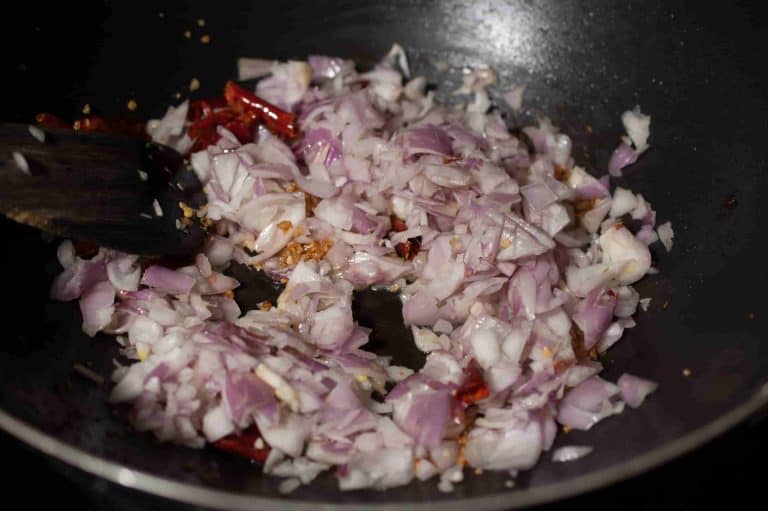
(691, 70)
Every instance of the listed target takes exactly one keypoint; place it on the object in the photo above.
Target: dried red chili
(200, 108)
(203, 131)
(47, 120)
(244, 445)
(398, 225)
(85, 249)
(473, 388)
(561, 173)
(242, 128)
(275, 119)
(126, 127)
(409, 249)
(237, 112)
(206, 115)
(95, 124)
(578, 346)
(92, 124)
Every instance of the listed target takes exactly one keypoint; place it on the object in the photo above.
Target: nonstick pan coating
(699, 73)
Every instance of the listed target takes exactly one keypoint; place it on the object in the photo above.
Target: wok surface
(696, 71)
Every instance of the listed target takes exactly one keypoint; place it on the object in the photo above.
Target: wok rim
(220, 499)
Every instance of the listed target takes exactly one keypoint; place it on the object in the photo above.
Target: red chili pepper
(95, 124)
(209, 122)
(203, 131)
(91, 124)
(243, 445)
(409, 249)
(275, 119)
(398, 225)
(200, 108)
(242, 128)
(473, 388)
(85, 249)
(47, 120)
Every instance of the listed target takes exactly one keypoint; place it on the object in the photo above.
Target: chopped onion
(624, 201)
(622, 156)
(21, 162)
(666, 234)
(634, 390)
(570, 453)
(514, 97)
(511, 267)
(638, 128)
(170, 281)
(248, 69)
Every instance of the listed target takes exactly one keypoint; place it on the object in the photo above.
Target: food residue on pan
(727, 207)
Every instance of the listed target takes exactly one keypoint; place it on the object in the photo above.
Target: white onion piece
(638, 128)
(624, 201)
(97, 307)
(248, 69)
(666, 234)
(634, 390)
(570, 453)
(620, 247)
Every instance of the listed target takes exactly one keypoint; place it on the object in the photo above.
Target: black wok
(698, 71)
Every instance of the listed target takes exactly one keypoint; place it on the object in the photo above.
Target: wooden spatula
(116, 192)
